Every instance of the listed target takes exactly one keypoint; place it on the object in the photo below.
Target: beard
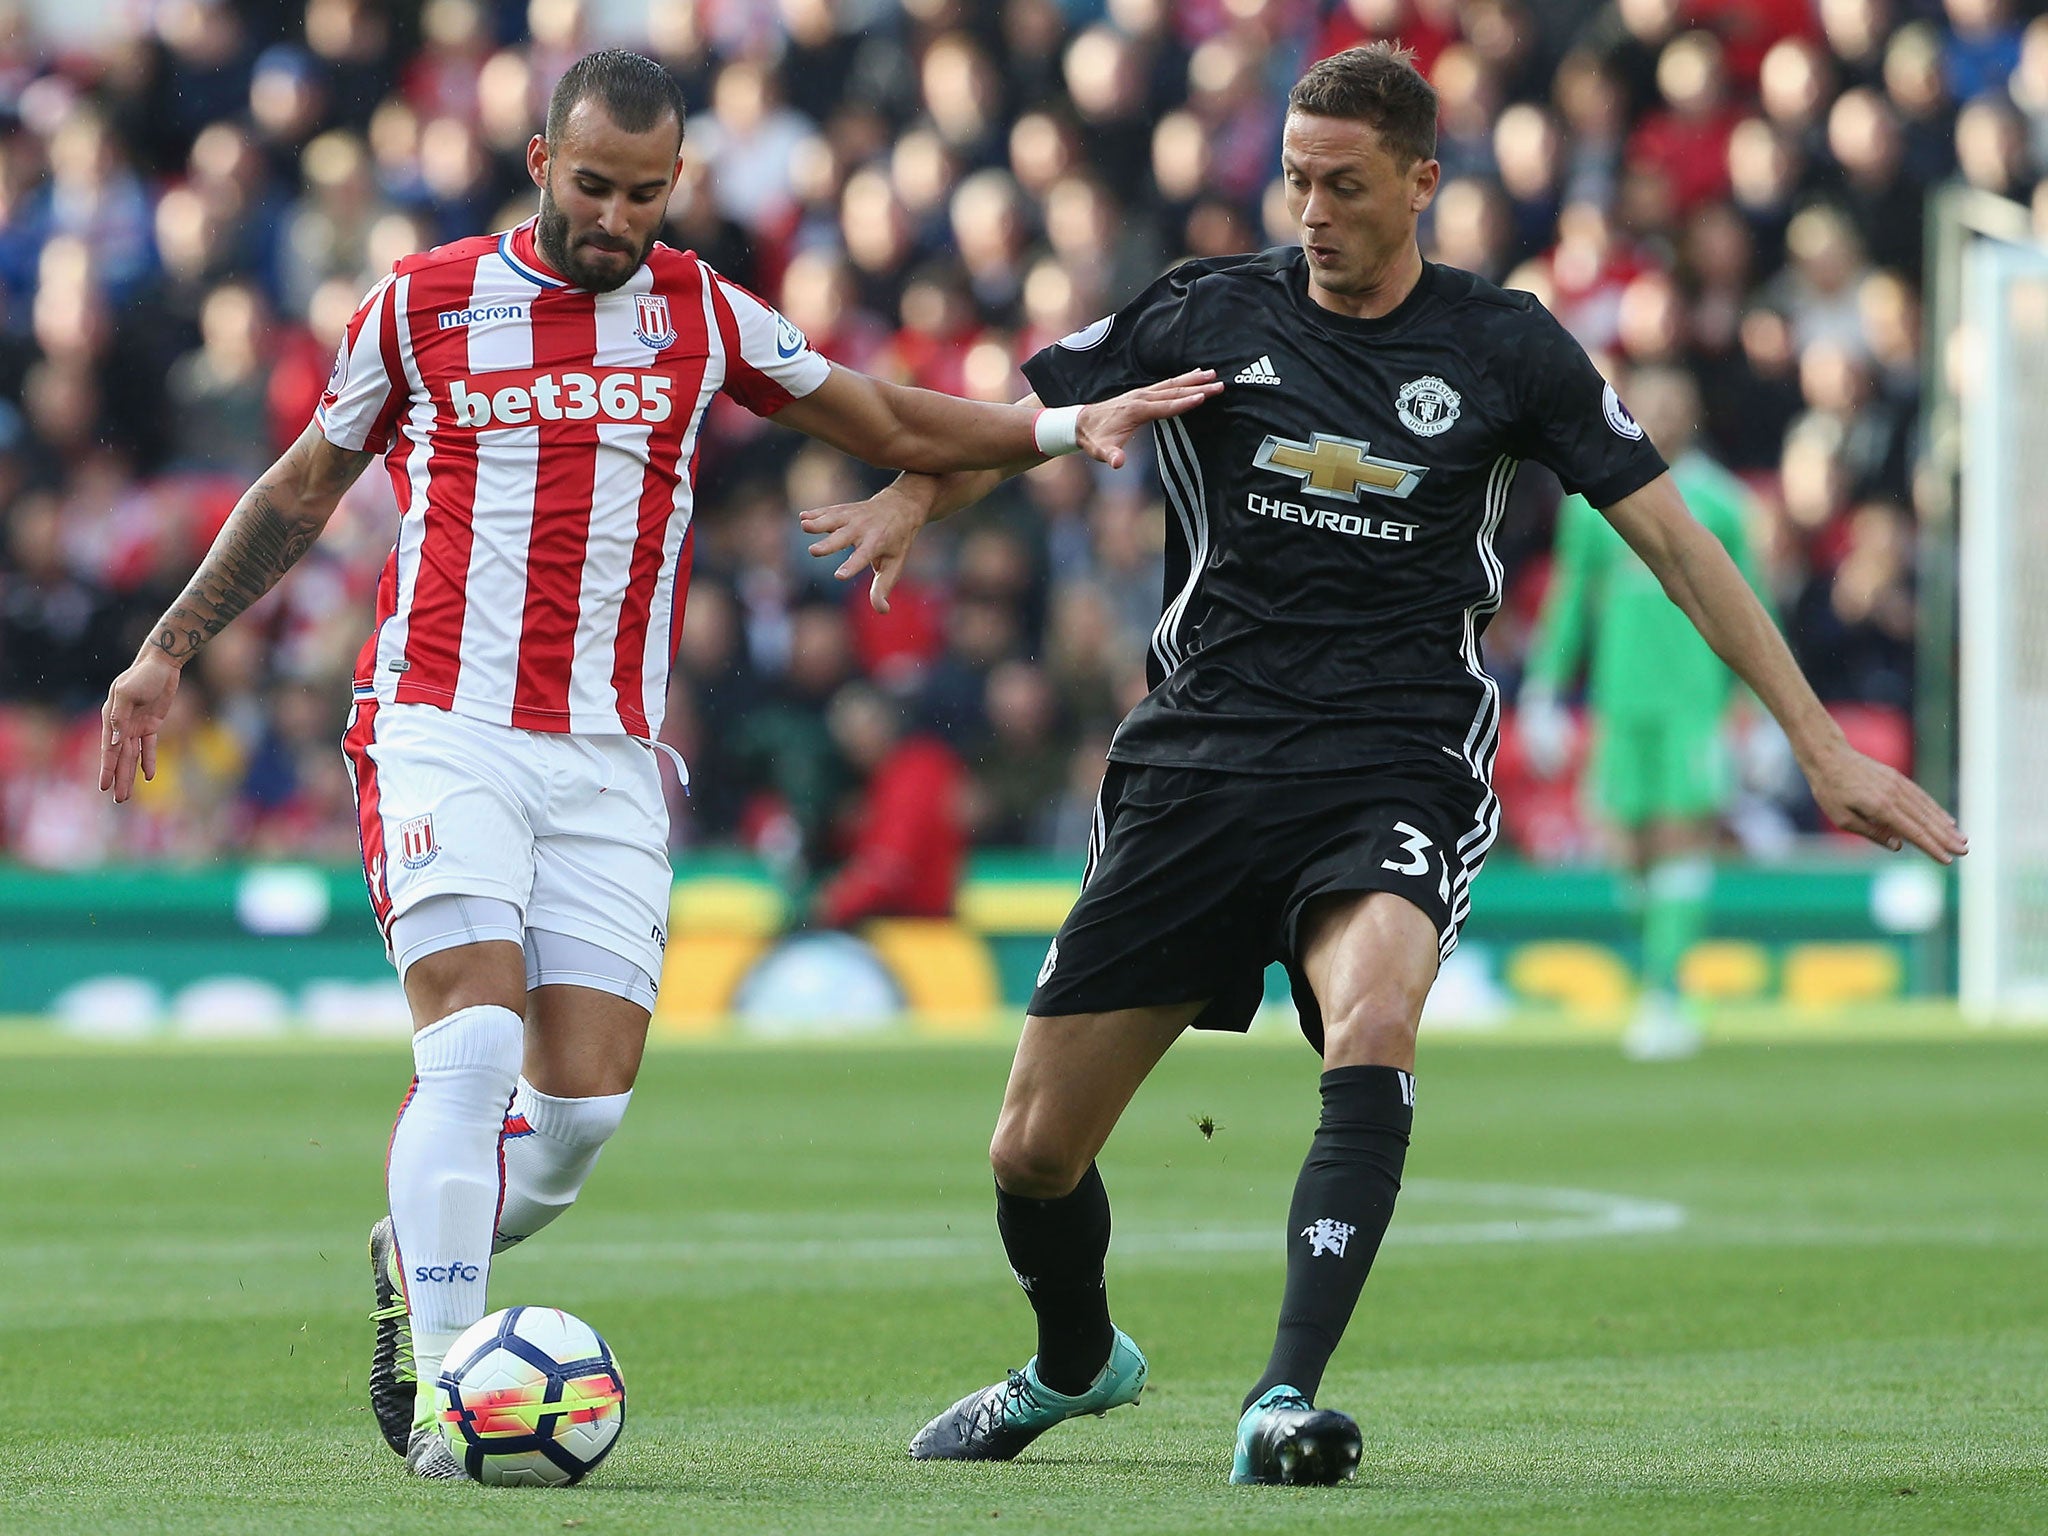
(551, 234)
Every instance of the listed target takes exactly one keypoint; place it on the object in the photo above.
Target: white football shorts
(571, 830)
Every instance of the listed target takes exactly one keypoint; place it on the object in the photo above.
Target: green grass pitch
(1782, 1288)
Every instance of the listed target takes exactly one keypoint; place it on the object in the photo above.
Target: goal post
(2002, 628)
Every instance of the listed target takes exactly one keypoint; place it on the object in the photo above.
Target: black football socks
(1057, 1249)
(1343, 1201)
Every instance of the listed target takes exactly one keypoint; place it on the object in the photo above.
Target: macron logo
(451, 318)
(1261, 372)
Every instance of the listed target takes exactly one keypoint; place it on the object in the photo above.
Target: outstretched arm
(274, 523)
(880, 530)
(1858, 794)
(897, 427)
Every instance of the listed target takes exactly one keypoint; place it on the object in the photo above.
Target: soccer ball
(530, 1397)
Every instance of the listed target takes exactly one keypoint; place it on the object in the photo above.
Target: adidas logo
(1260, 372)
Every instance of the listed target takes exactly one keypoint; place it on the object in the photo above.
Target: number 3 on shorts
(1415, 843)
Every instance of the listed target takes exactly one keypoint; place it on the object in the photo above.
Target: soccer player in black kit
(1309, 778)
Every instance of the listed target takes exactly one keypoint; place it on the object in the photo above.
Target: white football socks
(444, 1175)
(546, 1166)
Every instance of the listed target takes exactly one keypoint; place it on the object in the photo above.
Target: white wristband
(1057, 430)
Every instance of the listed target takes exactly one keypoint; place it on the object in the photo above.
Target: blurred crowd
(932, 189)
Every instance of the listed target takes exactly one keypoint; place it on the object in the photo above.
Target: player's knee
(1376, 1029)
(447, 983)
(456, 952)
(1033, 1165)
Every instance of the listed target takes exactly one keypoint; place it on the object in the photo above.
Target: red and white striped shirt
(542, 440)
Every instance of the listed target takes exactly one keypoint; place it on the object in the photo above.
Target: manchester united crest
(1427, 406)
(653, 327)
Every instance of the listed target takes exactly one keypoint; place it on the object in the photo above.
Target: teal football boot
(1284, 1438)
(997, 1422)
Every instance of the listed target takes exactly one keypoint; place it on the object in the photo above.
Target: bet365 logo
(621, 396)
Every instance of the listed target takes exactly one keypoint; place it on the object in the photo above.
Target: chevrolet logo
(1339, 467)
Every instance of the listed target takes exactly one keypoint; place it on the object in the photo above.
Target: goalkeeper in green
(1657, 698)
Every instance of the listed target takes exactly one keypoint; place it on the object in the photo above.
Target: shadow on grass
(1133, 1462)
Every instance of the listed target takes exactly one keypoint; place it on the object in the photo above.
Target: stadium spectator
(1891, 335)
(294, 787)
(444, 77)
(1817, 289)
(1794, 87)
(1587, 271)
(217, 392)
(1023, 759)
(208, 71)
(1473, 228)
(1684, 142)
(1651, 324)
(48, 814)
(985, 625)
(1982, 47)
(749, 139)
(1835, 381)
(785, 747)
(1468, 95)
(986, 213)
(1528, 148)
(53, 620)
(1914, 80)
(1071, 819)
(287, 103)
(1628, 37)
(1991, 147)
(94, 195)
(904, 837)
(1855, 623)
(1855, 31)
(963, 97)
(1764, 171)
(326, 230)
(1882, 201)
(1082, 652)
(1590, 100)
(1108, 84)
(1717, 259)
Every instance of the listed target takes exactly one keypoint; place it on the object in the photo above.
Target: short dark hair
(635, 92)
(1377, 84)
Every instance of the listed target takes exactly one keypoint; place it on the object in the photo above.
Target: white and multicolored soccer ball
(530, 1397)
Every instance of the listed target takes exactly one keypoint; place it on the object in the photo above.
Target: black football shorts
(1198, 879)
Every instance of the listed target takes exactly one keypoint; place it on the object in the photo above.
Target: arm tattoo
(257, 545)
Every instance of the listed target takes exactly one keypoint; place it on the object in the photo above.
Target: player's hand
(1863, 796)
(1106, 426)
(136, 706)
(878, 531)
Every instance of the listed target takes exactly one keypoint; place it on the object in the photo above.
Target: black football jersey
(1330, 564)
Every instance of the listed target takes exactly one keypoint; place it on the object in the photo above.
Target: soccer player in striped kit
(536, 397)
